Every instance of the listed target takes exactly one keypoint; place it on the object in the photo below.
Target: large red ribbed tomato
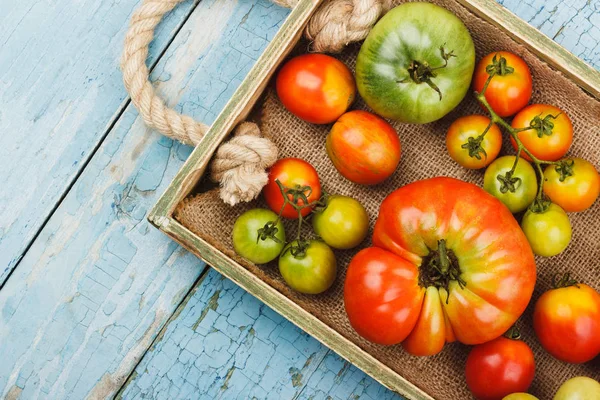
(449, 263)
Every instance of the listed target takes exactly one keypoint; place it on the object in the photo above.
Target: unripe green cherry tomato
(312, 273)
(579, 388)
(343, 224)
(548, 232)
(520, 396)
(523, 181)
(248, 241)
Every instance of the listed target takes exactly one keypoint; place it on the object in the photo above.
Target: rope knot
(340, 22)
(240, 164)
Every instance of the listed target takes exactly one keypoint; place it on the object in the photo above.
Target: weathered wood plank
(98, 284)
(574, 24)
(224, 343)
(60, 90)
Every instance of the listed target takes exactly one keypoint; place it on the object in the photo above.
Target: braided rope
(240, 164)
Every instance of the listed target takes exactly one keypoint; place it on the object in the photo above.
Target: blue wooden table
(93, 301)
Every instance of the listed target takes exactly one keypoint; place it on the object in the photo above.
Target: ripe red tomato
(299, 178)
(464, 145)
(510, 89)
(316, 87)
(364, 148)
(498, 368)
(412, 287)
(552, 135)
(574, 184)
(566, 321)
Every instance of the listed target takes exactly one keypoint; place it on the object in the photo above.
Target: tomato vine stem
(297, 198)
(544, 126)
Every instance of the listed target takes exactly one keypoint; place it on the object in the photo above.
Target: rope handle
(239, 164)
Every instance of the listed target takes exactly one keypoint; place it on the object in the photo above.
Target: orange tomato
(463, 145)
(566, 321)
(577, 190)
(508, 92)
(316, 87)
(363, 147)
(551, 138)
(295, 175)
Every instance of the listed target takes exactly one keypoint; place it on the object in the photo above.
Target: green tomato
(548, 232)
(524, 183)
(520, 396)
(343, 224)
(311, 273)
(390, 65)
(250, 244)
(579, 388)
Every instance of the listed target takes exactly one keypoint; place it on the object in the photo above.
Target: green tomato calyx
(439, 268)
(543, 126)
(297, 249)
(563, 281)
(269, 231)
(513, 333)
(422, 72)
(539, 205)
(499, 66)
(473, 145)
(564, 169)
(508, 182)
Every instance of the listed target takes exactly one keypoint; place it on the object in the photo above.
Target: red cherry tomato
(510, 89)
(363, 147)
(297, 176)
(498, 368)
(316, 88)
(552, 136)
(567, 322)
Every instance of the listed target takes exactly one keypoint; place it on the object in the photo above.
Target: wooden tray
(238, 109)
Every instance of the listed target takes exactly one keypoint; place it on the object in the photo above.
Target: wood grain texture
(60, 90)
(226, 344)
(98, 284)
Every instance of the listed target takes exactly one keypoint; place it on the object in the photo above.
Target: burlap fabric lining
(424, 155)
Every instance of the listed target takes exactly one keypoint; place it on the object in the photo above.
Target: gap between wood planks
(83, 165)
(161, 333)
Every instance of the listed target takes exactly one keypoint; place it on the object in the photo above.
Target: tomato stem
(513, 333)
(422, 72)
(296, 197)
(439, 268)
(564, 281)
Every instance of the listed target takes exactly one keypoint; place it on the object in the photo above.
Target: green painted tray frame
(238, 108)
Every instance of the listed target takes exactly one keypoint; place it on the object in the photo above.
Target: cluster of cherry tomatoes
(294, 193)
(541, 134)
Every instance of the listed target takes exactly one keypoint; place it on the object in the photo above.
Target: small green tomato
(517, 191)
(311, 272)
(548, 232)
(343, 224)
(249, 240)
